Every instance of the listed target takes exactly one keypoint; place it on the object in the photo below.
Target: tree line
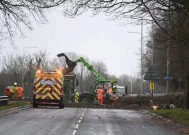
(168, 45)
(21, 68)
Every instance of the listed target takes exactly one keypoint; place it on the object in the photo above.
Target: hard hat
(75, 90)
(15, 83)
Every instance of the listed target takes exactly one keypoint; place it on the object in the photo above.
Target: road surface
(80, 121)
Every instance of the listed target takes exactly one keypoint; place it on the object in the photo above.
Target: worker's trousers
(76, 100)
(100, 101)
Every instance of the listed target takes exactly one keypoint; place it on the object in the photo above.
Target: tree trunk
(186, 93)
(187, 73)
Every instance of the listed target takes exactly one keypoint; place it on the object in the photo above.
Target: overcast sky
(94, 37)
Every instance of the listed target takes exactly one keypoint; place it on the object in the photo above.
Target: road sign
(151, 74)
(151, 86)
(167, 78)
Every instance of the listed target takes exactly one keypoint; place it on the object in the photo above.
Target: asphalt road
(80, 121)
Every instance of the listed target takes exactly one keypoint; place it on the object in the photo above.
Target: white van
(120, 90)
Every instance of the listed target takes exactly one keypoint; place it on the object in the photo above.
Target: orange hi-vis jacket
(7, 92)
(100, 93)
(19, 91)
(110, 91)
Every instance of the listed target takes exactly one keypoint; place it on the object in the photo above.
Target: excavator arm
(100, 79)
(72, 64)
(90, 68)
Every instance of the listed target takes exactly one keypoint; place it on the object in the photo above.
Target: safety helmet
(15, 83)
(75, 90)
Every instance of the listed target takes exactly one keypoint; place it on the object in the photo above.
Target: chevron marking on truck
(48, 88)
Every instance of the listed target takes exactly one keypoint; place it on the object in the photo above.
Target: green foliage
(13, 105)
(179, 115)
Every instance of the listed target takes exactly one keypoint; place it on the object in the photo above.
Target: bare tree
(16, 14)
(42, 60)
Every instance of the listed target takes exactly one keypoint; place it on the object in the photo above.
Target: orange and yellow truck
(48, 89)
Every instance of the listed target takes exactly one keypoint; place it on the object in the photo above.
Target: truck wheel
(61, 105)
(35, 105)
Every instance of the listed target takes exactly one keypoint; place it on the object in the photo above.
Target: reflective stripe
(48, 88)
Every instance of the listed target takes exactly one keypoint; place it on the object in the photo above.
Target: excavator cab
(105, 85)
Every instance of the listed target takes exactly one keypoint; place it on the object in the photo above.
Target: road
(79, 121)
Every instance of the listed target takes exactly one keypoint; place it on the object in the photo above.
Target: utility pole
(141, 59)
(152, 57)
(167, 81)
(168, 48)
(142, 84)
(131, 80)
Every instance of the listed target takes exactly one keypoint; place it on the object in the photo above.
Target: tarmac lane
(80, 121)
(120, 122)
(40, 121)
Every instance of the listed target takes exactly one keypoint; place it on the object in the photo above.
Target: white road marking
(77, 126)
(74, 132)
(79, 121)
(109, 130)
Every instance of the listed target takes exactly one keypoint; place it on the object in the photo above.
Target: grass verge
(180, 115)
(13, 105)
